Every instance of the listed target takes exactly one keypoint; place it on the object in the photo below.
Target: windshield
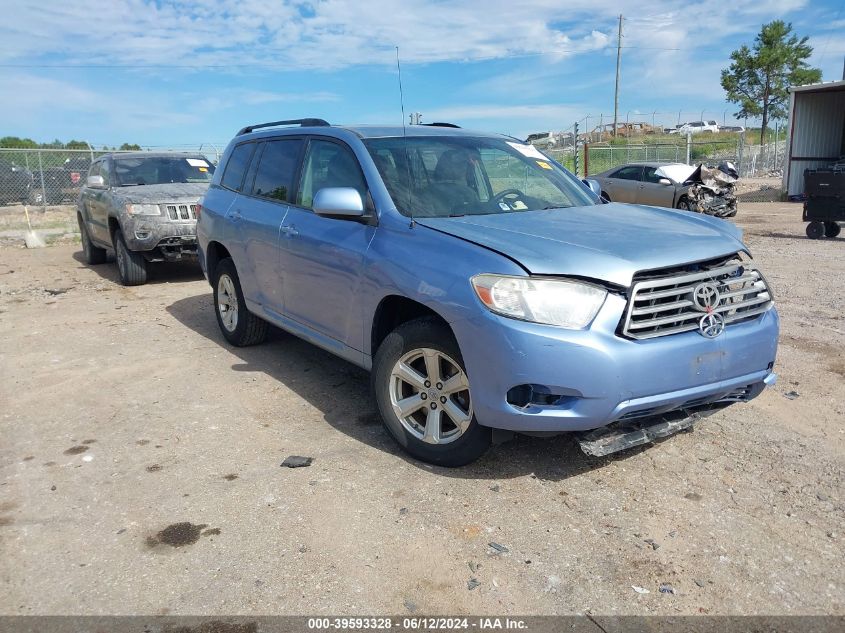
(452, 176)
(160, 170)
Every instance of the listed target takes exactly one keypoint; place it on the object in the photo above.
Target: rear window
(233, 176)
(274, 176)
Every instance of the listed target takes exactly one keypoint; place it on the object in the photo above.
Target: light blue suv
(485, 287)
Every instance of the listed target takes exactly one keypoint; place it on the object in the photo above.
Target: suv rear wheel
(239, 326)
(423, 395)
(131, 265)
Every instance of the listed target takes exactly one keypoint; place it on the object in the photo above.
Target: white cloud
(338, 33)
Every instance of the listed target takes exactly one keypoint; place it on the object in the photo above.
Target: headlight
(143, 209)
(568, 304)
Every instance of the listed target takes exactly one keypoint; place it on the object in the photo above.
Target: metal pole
(576, 166)
(739, 152)
(618, 64)
(689, 139)
(586, 160)
(43, 188)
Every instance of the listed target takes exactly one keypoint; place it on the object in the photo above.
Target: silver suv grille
(663, 306)
(181, 211)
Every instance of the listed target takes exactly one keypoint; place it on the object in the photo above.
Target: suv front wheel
(423, 395)
(239, 326)
(131, 265)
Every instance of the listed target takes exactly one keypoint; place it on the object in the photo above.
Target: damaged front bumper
(711, 191)
(537, 379)
(159, 239)
(624, 434)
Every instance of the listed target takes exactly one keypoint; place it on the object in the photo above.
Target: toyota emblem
(711, 325)
(706, 296)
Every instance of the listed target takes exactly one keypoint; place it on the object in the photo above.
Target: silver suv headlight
(143, 209)
(569, 304)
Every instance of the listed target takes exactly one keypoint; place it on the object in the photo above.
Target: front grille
(181, 212)
(664, 305)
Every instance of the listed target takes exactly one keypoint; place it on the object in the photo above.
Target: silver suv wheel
(429, 393)
(227, 302)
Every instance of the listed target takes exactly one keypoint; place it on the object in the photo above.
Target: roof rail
(300, 122)
(441, 124)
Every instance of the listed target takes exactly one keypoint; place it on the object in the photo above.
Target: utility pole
(618, 63)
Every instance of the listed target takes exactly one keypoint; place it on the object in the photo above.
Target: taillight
(199, 210)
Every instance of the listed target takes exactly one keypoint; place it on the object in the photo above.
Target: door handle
(236, 216)
(289, 231)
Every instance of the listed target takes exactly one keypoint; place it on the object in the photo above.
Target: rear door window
(276, 169)
(233, 177)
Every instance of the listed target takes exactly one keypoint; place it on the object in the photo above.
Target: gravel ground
(139, 471)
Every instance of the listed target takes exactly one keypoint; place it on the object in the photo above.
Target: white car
(696, 127)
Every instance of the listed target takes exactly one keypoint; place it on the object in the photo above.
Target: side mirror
(594, 185)
(95, 182)
(342, 202)
(665, 181)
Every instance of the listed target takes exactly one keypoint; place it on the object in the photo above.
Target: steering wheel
(516, 193)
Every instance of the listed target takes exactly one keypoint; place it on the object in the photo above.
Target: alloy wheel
(227, 303)
(429, 393)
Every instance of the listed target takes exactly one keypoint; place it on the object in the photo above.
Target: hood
(609, 242)
(169, 192)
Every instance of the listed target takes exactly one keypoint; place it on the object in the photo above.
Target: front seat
(449, 181)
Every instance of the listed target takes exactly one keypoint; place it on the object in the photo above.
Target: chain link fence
(589, 159)
(42, 177)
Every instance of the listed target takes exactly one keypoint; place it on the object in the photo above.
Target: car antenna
(404, 136)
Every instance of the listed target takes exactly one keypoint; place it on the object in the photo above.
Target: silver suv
(144, 206)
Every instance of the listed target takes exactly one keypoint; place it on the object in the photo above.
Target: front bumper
(601, 377)
(160, 239)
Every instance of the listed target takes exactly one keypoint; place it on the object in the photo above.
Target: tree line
(15, 142)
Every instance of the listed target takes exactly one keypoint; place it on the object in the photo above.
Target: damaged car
(144, 207)
(656, 184)
(486, 288)
(674, 185)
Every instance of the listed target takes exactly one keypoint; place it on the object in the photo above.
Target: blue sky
(174, 73)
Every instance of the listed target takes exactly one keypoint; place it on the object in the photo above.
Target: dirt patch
(76, 450)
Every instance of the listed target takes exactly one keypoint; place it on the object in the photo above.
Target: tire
(239, 326)
(93, 254)
(452, 442)
(831, 229)
(683, 204)
(815, 230)
(131, 265)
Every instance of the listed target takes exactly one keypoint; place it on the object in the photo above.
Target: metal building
(816, 131)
